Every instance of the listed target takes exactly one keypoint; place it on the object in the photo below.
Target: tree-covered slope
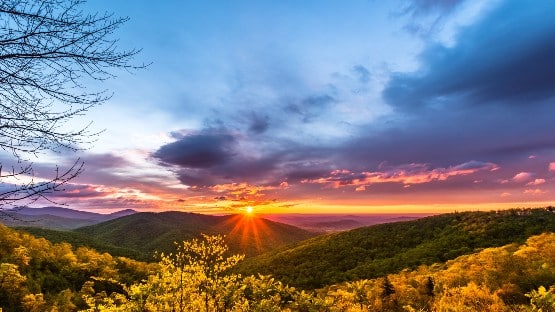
(35, 273)
(84, 240)
(375, 251)
(150, 232)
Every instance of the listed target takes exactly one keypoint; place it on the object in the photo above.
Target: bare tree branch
(48, 51)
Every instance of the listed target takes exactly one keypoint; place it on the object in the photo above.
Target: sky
(324, 107)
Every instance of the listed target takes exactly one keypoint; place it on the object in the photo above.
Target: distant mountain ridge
(341, 222)
(57, 217)
(71, 213)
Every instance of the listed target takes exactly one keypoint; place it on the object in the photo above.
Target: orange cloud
(243, 188)
(244, 193)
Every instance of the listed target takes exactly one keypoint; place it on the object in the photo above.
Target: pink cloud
(505, 194)
(536, 182)
(534, 191)
(523, 177)
(406, 174)
(552, 166)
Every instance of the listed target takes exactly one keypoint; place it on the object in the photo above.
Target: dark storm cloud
(192, 177)
(488, 97)
(506, 59)
(445, 138)
(202, 150)
(209, 159)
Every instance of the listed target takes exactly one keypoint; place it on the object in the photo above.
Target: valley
(426, 256)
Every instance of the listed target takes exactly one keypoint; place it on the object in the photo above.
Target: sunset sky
(324, 106)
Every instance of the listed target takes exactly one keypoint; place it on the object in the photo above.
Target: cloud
(406, 174)
(198, 178)
(203, 150)
(258, 124)
(523, 177)
(469, 100)
(311, 107)
(552, 166)
(105, 161)
(419, 7)
(520, 70)
(536, 182)
(534, 191)
(84, 191)
(208, 159)
(362, 73)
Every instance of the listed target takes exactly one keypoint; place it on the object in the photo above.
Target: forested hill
(375, 251)
(142, 234)
(35, 273)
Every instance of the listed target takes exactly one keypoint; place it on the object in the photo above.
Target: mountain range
(307, 259)
(56, 217)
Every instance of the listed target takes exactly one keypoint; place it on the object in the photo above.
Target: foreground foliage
(197, 278)
(36, 275)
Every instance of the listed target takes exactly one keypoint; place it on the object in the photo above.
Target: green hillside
(36, 274)
(140, 235)
(378, 250)
(84, 240)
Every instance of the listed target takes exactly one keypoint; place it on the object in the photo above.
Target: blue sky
(358, 106)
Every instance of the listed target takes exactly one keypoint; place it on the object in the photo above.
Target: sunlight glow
(248, 210)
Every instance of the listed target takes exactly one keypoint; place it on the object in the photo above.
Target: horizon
(322, 108)
(102, 211)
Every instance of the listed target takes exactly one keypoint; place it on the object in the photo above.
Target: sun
(249, 210)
